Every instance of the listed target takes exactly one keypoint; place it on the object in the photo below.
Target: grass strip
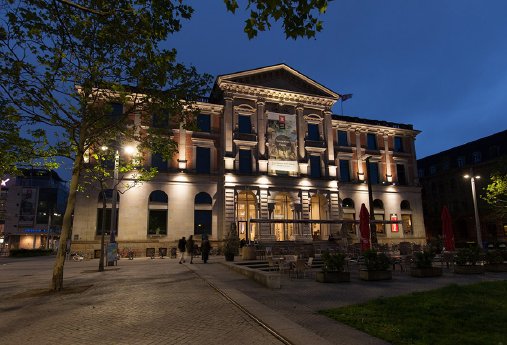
(456, 314)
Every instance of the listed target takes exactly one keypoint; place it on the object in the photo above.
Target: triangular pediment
(279, 77)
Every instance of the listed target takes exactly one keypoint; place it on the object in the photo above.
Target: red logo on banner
(394, 226)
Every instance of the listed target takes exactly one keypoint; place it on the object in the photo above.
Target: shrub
(333, 262)
(231, 243)
(424, 259)
(374, 261)
(494, 257)
(467, 256)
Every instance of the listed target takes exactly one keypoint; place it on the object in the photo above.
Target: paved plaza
(159, 301)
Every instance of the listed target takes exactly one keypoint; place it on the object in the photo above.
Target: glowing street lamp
(476, 210)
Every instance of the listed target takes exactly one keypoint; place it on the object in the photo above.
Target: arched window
(349, 215)
(405, 205)
(100, 211)
(157, 213)
(377, 203)
(348, 203)
(203, 213)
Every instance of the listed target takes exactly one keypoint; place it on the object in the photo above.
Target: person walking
(205, 249)
(190, 248)
(182, 243)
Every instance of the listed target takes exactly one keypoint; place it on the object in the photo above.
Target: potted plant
(467, 261)
(376, 266)
(333, 269)
(424, 265)
(496, 261)
(231, 244)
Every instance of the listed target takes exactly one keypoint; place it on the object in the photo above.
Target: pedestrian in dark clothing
(190, 248)
(205, 249)
(182, 243)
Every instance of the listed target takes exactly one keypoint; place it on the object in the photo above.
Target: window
(405, 205)
(406, 222)
(461, 161)
(476, 156)
(160, 120)
(313, 132)
(433, 170)
(116, 111)
(374, 173)
(371, 141)
(245, 161)
(157, 161)
(244, 124)
(398, 144)
(378, 204)
(400, 171)
(157, 213)
(343, 138)
(203, 214)
(349, 227)
(348, 203)
(315, 167)
(204, 122)
(421, 172)
(202, 160)
(380, 227)
(344, 170)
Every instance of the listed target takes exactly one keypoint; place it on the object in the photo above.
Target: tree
(496, 194)
(68, 64)
(299, 17)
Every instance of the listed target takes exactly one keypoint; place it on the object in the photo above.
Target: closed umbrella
(447, 229)
(364, 228)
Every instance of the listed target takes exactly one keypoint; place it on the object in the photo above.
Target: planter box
(426, 272)
(475, 269)
(332, 277)
(375, 275)
(502, 267)
(248, 253)
(229, 257)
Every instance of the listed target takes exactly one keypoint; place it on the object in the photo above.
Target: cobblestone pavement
(137, 302)
(158, 301)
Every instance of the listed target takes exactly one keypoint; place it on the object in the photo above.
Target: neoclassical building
(271, 158)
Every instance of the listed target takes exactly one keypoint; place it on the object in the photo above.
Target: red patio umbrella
(364, 228)
(447, 229)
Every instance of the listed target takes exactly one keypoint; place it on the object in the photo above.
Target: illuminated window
(157, 213)
(406, 222)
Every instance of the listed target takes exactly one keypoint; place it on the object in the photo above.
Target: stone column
(389, 175)
(261, 128)
(228, 124)
(328, 130)
(301, 132)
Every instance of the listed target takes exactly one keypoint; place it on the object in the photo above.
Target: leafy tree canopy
(496, 193)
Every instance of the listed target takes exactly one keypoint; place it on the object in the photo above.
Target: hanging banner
(282, 142)
(394, 226)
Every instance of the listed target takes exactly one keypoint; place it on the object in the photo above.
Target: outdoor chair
(299, 268)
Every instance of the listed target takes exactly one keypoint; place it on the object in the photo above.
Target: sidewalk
(158, 301)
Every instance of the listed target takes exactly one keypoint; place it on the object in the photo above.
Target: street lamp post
(476, 210)
(373, 229)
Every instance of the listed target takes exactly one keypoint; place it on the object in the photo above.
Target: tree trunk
(57, 281)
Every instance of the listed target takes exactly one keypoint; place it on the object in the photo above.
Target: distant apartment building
(272, 160)
(34, 206)
(441, 176)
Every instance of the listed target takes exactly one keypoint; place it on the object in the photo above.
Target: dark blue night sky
(439, 65)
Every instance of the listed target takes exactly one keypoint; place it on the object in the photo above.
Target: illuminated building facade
(270, 158)
(34, 204)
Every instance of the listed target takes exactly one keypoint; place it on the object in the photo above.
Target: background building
(34, 206)
(272, 160)
(441, 176)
